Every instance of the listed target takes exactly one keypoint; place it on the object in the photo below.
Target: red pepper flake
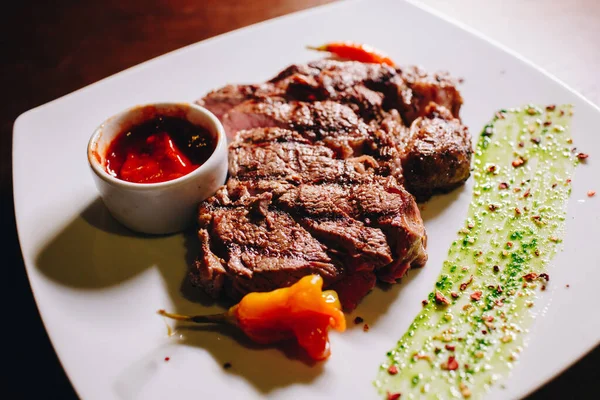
(450, 347)
(561, 113)
(568, 286)
(517, 189)
(503, 185)
(517, 211)
(509, 244)
(392, 370)
(167, 358)
(582, 156)
(440, 299)
(554, 185)
(493, 207)
(454, 295)
(499, 115)
(537, 252)
(451, 365)
(366, 327)
(530, 276)
(521, 144)
(425, 302)
(527, 193)
(499, 289)
(464, 285)
(476, 296)
(491, 168)
(591, 193)
(393, 396)
(358, 320)
(518, 162)
(496, 268)
(484, 332)
(545, 276)
(489, 318)
(547, 123)
(568, 180)
(227, 365)
(543, 287)
(551, 107)
(535, 140)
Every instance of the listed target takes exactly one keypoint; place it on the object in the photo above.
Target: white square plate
(98, 286)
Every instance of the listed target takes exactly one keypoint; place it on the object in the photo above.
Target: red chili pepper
(302, 311)
(355, 52)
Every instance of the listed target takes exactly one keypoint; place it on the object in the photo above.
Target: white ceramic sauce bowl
(165, 207)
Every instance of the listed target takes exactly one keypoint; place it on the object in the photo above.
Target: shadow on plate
(94, 251)
(432, 208)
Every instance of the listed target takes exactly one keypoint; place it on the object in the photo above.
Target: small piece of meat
(422, 88)
(437, 155)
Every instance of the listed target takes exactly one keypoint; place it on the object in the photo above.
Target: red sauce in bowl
(159, 150)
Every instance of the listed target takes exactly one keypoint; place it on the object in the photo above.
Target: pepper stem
(317, 48)
(223, 318)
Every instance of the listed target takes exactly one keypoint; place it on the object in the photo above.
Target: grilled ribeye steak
(316, 181)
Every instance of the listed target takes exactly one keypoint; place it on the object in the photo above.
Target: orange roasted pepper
(302, 311)
(355, 52)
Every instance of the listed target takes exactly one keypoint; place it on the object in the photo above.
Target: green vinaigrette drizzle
(472, 326)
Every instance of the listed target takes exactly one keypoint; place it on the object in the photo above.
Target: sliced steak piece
(437, 154)
(316, 208)
(247, 247)
(293, 162)
(333, 123)
(367, 88)
(421, 88)
(393, 210)
(362, 86)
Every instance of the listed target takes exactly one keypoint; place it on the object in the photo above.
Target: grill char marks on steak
(437, 153)
(246, 246)
(258, 238)
(315, 183)
(292, 161)
(328, 121)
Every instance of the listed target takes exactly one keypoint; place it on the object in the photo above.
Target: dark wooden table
(52, 48)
